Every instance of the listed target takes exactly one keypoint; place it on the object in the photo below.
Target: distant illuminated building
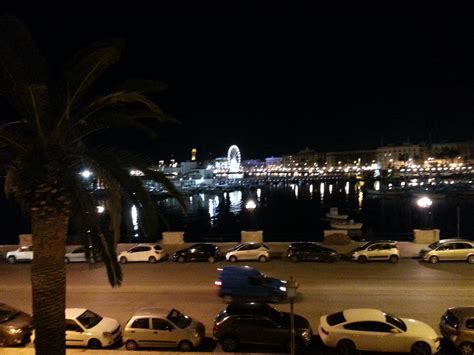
(193, 154)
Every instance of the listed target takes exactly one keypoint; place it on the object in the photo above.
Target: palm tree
(45, 146)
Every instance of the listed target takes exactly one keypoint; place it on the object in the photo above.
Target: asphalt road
(409, 289)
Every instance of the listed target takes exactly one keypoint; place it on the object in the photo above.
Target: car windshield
(7, 313)
(397, 322)
(434, 245)
(450, 319)
(179, 318)
(89, 319)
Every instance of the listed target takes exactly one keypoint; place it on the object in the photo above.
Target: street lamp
(291, 287)
(424, 202)
(250, 206)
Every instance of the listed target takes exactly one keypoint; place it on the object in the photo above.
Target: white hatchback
(355, 330)
(248, 251)
(76, 255)
(24, 253)
(143, 252)
(86, 328)
(383, 250)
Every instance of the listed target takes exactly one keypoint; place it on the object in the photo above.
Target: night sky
(277, 80)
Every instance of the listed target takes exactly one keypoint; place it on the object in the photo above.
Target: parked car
(156, 327)
(374, 330)
(198, 252)
(248, 251)
(377, 250)
(24, 253)
(448, 249)
(143, 252)
(247, 283)
(457, 325)
(259, 323)
(15, 326)
(309, 251)
(76, 255)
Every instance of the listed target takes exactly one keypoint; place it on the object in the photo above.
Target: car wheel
(67, 261)
(131, 345)
(230, 344)
(421, 348)
(185, 346)
(11, 260)
(362, 259)
(346, 347)
(466, 348)
(211, 259)
(94, 344)
(181, 259)
(152, 260)
(470, 259)
(233, 259)
(294, 259)
(434, 259)
(228, 298)
(262, 258)
(123, 260)
(393, 259)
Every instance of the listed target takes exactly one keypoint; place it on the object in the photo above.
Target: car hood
(416, 328)
(275, 283)
(300, 322)
(105, 325)
(425, 250)
(21, 320)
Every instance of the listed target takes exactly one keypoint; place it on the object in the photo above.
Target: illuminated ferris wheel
(233, 158)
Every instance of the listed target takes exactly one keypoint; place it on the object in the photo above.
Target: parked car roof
(462, 312)
(366, 314)
(73, 313)
(151, 312)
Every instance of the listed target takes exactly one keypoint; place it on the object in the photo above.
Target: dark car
(259, 324)
(457, 325)
(311, 252)
(15, 326)
(198, 252)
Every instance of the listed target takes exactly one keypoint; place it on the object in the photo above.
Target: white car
(248, 251)
(373, 330)
(377, 250)
(86, 328)
(24, 253)
(76, 255)
(143, 252)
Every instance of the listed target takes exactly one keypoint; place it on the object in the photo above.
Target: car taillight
(218, 283)
(324, 331)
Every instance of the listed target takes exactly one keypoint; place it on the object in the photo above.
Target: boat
(334, 214)
(349, 225)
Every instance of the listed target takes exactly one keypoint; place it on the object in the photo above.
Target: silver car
(457, 325)
(156, 327)
(448, 249)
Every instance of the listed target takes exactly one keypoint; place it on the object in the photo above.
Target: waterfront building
(396, 156)
(452, 152)
(352, 157)
(273, 161)
(306, 157)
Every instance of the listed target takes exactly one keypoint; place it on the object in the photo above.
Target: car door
(164, 332)
(75, 334)
(78, 255)
(25, 253)
(362, 335)
(141, 332)
(374, 252)
(196, 253)
(389, 338)
(270, 333)
(461, 251)
(143, 254)
(248, 330)
(247, 252)
(134, 253)
(447, 251)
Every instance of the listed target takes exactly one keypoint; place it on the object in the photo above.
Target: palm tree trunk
(48, 280)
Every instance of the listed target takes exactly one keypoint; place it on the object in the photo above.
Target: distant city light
(250, 205)
(86, 174)
(100, 209)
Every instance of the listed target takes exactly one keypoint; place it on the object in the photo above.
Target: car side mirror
(395, 331)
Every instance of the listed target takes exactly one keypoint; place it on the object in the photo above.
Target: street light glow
(250, 205)
(86, 174)
(424, 202)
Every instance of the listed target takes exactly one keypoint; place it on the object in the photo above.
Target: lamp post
(424, 202)
(291, 287)
(250, 206)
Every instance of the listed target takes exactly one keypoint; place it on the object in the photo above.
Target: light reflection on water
(235, 198)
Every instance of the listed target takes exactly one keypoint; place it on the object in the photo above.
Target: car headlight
(14, 331)
(107, 334)
(306, 334)
(283, 288)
